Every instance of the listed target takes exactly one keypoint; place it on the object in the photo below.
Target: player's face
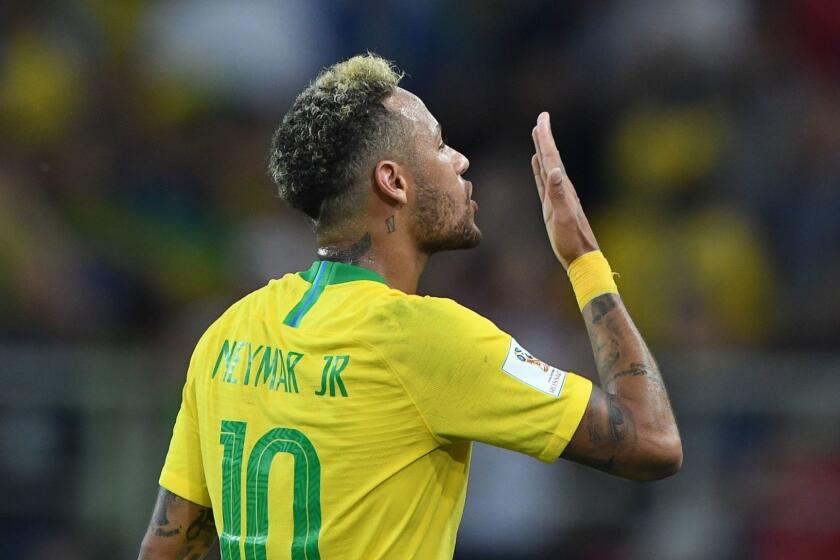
(444, 216)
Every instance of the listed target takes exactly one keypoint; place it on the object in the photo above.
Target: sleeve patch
(532, 371)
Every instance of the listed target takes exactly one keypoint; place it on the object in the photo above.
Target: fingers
(537, 154)
(550, 161)
(537, 164)
(538, 176)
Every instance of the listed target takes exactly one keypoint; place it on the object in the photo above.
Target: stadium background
(704, 140)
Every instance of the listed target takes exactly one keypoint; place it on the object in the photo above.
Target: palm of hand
(568, 229)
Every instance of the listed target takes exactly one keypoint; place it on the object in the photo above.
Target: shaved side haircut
(326, 146)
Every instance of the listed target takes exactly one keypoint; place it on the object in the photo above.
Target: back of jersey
(327, 415)
(297, 434)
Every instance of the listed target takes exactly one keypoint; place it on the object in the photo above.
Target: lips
(469, 186)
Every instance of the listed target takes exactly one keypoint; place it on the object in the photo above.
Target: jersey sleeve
(183, 471)
(472, 381)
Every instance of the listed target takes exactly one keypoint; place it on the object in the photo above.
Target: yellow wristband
(591, 277)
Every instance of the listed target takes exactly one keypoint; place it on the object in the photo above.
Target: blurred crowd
(703, 138)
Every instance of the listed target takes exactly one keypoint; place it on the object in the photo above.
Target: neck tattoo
(352, 254)
(391, 224)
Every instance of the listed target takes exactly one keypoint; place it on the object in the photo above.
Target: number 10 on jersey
(306, 507)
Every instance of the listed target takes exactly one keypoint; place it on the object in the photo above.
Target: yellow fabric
(423, 380)
(591, 277)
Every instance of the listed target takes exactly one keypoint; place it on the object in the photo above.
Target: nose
(461, 163)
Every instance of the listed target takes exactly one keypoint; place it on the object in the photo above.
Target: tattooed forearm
(633, 410)
(607, 353)
(618, 347)
(600, 306)
(635, 370)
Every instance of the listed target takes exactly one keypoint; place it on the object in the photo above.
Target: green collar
(333, 272)
(320, 275)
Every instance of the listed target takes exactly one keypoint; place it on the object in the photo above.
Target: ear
(391, 182)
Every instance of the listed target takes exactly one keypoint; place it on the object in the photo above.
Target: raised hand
(568, 229)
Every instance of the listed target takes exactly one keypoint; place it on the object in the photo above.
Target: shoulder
(412, 307)
(434, 317)
(425, 337)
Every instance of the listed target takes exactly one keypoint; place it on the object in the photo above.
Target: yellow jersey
(327, 415)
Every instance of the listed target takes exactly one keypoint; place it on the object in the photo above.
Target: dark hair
(329, 135)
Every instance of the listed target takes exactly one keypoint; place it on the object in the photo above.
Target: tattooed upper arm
(606, 428)
(178, 530)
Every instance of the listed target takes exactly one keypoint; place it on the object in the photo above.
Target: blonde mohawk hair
(335, 126)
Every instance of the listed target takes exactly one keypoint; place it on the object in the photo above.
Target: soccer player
(330, 414)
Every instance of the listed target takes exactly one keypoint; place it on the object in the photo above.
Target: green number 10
(306, 506)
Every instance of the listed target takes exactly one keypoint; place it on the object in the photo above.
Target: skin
(628, 428)
(179, 530)
(415, 208)
(422, 205)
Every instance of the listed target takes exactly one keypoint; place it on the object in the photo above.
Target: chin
(474, 238)
(464, 238)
